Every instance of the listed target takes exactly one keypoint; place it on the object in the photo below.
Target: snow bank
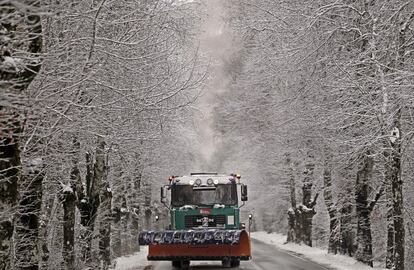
(136, 261)
(339, 262)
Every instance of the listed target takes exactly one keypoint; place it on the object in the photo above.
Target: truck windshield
(185, 195)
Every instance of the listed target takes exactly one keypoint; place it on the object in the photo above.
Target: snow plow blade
(196, 245)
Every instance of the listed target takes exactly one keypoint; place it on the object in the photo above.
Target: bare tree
(20, 49)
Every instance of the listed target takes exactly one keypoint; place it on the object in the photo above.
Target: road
(265, 257)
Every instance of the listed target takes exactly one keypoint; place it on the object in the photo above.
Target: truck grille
(197, 220)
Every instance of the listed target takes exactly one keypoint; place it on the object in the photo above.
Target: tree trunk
(87, 212)
(397, 195)
(14, 80)
(118, 203)
(308, 209)
(27, 229)
(90, 203)
(333, 214)
(291, 236)
(106, 220)
(105, 226)
(389, 261)
(292, 224)
(347, 234)
(396, 180)
(116, 243)
(9, 177)
(300, 216)
(46, 223)
(362, 192)
(147, 206)
(135, 225)
(125, 237)
(69, 207)
(71, 193)
(133, 201)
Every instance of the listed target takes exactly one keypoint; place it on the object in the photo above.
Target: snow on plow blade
(196, 245)
(193, 237)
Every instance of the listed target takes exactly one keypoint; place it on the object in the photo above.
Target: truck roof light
(216, 181)
(198, 182)
(210, 182)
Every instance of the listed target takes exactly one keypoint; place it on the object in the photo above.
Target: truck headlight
(230, 220)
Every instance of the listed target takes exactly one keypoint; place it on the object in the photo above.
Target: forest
(102, 100)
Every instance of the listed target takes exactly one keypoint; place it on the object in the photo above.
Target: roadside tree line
(321, 96)
(93, 94)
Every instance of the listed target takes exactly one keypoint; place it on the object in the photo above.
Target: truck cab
(204, 201)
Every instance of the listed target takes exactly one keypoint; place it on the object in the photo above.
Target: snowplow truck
(205, 221)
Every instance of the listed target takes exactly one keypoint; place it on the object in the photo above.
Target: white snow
(187, 206)
(395, 134)
(34, 165)
(318, 255)
(12, 63)
(66, 188)
(37, 162)
(138, 260)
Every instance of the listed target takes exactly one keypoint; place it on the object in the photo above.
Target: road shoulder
(313, 254)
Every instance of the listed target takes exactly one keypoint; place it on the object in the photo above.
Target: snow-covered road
(269, 253)
(265, 257)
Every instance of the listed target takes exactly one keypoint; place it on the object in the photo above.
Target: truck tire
(226, 263)
(235, 263)
(185, 264)
(180, 264)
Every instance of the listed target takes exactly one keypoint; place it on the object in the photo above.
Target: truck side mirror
(243, 193)
(163, 196)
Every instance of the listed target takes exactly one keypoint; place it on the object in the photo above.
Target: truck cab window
(185, 195)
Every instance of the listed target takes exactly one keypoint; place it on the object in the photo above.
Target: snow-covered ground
(339, 262)
(136, 261)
